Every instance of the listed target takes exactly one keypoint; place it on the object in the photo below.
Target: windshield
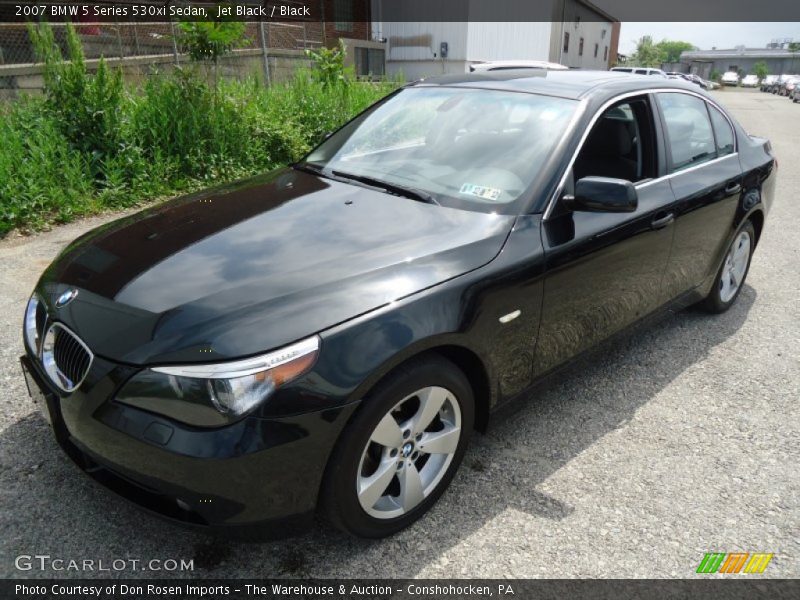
(464, 148)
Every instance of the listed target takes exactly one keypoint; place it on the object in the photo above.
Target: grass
(93, 144)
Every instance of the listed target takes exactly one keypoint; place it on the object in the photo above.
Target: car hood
(256, 265)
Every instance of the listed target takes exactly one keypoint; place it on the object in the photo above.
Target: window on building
(343, 15)
(566, 43)
(580, 47)
(370, 62)
(596, 49)
(605, 53)
(690, 137)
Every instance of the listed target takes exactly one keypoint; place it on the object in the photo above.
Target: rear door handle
(663, 221)
(733, 188)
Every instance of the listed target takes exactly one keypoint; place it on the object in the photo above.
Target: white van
(730, 78)
(503, 65)
(641, 71)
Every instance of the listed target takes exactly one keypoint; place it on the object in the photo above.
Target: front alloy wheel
(401, 449)
(409, 452)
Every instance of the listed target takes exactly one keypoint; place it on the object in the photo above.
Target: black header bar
(402, 10)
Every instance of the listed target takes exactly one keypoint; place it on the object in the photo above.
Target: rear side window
(723, 131)
(689, 133)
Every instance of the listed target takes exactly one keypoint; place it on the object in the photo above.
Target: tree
(208, 40)
(329, 63)
(794, 47)
(760, 70)
(647, 54)
(671, 50)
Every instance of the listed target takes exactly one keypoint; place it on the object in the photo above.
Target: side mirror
(603, 194)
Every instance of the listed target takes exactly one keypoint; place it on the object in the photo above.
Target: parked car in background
(730, 78)
(767, 82)
(776, 86)
(794, 96)
(326, 337)
(507, 65)
(641, 71)
(788, 86)
(712, 85)
(750, 81)
(696, 79)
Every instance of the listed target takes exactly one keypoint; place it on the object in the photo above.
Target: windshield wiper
(312, 168)
(379, 184)
(391, 188)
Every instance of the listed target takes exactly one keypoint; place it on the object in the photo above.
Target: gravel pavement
(677, 440)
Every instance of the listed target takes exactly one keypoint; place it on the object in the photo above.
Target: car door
(706, 179)
(604, 270)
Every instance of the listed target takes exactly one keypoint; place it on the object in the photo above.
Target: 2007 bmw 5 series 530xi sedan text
(325, 338)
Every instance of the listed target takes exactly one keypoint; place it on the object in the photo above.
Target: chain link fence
(268, 50)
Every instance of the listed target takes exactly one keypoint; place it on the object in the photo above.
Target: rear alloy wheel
(733, 271)
(401, 451)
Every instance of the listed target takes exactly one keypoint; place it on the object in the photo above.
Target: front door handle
(733, 188)
(663, 221)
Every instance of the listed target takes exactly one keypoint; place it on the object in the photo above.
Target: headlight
(217, 394)
(31, 328)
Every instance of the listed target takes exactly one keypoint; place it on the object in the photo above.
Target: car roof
(574, 84)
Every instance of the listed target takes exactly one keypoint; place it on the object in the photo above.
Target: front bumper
(258, 478)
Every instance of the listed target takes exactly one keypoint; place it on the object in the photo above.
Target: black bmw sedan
(325, 338)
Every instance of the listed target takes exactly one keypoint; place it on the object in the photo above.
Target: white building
(583, 37)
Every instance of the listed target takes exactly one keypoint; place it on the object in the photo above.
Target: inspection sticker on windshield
(480, 191)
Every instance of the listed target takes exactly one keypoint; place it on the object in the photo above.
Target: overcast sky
(708, 35)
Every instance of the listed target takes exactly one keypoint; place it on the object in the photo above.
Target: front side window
(722, 130)
(620, 145)
(689, 134)
(467, 148)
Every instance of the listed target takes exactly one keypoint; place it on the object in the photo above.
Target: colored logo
(734, 562)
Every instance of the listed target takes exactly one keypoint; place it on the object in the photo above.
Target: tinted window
(473, 149)
(723, 131)
(689, 133)
(620, 145)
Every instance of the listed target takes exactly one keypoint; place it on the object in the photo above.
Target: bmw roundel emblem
(66, 298)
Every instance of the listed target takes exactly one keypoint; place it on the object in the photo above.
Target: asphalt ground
(679, 439)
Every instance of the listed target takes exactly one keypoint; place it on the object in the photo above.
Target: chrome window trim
(643, 92)
(48, 362)
(682, 171)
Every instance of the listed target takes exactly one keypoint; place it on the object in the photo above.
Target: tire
(733, 269)
(360, 466)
